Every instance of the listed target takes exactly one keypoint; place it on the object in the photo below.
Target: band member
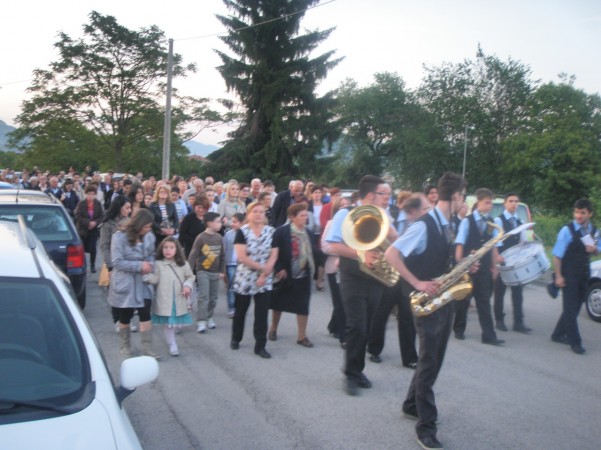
(360, 292)
(422, 254)
(412, 209)
(474, 232)
(571, 263)
(508, 221)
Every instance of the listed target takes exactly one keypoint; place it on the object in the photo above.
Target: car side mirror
(136, 372)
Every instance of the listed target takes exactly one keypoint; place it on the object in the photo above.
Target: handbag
(103, 277)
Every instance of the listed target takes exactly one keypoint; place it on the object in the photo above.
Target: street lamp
(467, 127)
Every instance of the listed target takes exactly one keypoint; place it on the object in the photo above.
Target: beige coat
(168, 284)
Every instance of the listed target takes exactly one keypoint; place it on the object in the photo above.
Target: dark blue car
(46, 216)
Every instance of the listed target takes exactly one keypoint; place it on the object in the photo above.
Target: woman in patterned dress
(256, 259)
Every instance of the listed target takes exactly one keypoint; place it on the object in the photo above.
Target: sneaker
(117, 327)
(231, 313)
(173, 350)
(212, 324)
(429, 443)
(133, 327)
(202, 326)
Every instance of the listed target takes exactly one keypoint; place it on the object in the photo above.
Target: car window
(42, 357)
(48, 223)
(498, 208)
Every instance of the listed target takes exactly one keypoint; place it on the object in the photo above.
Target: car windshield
(48, 223)
(498, 209)
(41, 356)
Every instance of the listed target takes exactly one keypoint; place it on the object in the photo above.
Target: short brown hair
(294, 209)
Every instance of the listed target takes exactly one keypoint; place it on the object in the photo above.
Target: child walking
(231, 261)
(208, 263)
(174, 279)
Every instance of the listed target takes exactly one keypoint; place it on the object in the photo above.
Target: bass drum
(523, 263)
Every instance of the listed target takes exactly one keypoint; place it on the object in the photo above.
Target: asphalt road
(530, 394)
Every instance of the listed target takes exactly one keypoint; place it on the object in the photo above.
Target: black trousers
(262, 301)
(573, 296)
(433, 332)
(517, 299)
(482, 292)
(337, 322)
(461, 309)
(406, 329)
(360, 297)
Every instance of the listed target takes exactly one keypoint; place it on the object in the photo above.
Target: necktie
(482, 225)
(446, 231)
(513, 222)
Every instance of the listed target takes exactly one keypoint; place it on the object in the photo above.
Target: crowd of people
(167, 245)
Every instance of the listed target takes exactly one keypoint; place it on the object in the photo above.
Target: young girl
(231, 262)
(174, 279)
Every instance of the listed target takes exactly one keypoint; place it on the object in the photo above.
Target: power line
(275, 19)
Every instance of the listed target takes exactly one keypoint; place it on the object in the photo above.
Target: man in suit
(279, 211)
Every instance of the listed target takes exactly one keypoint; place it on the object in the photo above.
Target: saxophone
(457, 285)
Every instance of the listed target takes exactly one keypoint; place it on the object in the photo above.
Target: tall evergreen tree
(275, 76)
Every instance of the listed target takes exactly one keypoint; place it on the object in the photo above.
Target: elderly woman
(133, 254)
(294, 269)
(256, 259)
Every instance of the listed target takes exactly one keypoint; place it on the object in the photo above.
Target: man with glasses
(360, 292)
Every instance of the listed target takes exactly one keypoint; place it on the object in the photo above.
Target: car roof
(28, 197)
(21, 262)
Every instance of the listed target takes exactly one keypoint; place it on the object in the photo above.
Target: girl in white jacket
(174, 279)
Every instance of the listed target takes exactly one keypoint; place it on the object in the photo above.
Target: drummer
(508, 221)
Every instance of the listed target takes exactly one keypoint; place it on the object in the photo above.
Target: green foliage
(547, 227)
(555, 159)
(101, 102)
(487, 93)
(275, 76)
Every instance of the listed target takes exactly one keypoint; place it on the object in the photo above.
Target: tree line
(101, 103)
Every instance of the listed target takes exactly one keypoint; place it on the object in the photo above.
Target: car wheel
(81, 299)
(593, 301)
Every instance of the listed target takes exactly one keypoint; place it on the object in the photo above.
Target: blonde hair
(155, 197)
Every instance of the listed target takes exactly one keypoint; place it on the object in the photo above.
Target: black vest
(475, 242)
(575, 264)
(434, 260)
(351, 266)
(511, 240)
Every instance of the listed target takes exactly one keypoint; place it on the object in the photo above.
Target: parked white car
(55, 389)
(593, 293)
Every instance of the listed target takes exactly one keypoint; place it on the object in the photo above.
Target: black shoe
(363, 381)
(335, 335)
(375, 358)
(521, 328)
(93, 268)
(351, 386)
(411, 365)
(501, 325)
(263, 353)
(234, 345)
(497, 342)
(343, 345)
(429, 443)
(560, 339)
(460, 336)
(578, 349)
(411, 415)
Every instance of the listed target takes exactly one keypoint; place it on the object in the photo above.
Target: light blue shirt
(464, 228)
(564, 239)
(507, 216)
(335, 232)
(415, 239)
(401, 222)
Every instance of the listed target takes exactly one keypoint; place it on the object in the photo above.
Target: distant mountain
(199, 149)
(4, 130)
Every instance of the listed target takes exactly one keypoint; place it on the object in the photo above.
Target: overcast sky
(550, 36)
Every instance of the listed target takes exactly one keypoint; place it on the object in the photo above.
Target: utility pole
(467, 127)
(167, 129)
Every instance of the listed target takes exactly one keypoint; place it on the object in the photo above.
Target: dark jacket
(191, 227)
(82, 219)
(71, 203)
(158, 219)
(279, 211)
(282, 238)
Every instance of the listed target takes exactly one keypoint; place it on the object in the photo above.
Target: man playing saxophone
(420, 255)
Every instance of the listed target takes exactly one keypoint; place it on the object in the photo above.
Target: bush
(547, 227)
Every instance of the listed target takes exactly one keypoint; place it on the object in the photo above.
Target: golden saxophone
(365, 228)
(457, 285)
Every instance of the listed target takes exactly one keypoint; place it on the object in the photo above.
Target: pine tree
(275, 77)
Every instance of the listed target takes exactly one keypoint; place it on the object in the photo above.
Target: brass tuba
(365, 228)
(456, 285)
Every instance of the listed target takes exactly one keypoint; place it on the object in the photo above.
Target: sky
(549, 36)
